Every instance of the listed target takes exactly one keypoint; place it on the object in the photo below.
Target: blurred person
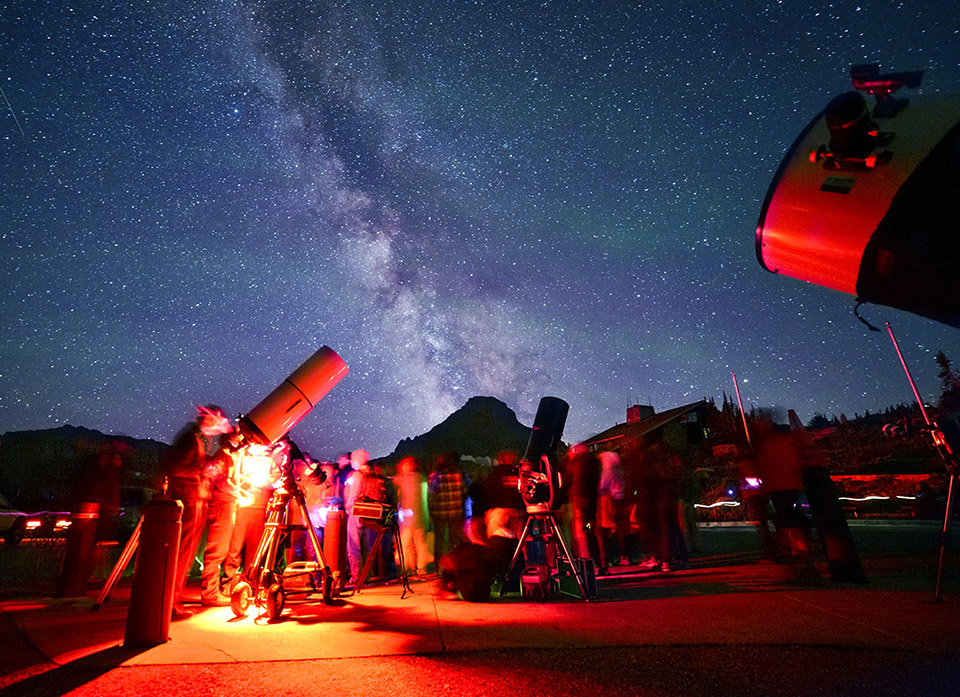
(359, 466)
(632, 464)
(582, 480)
(613, 509)
(99, 483)
(184, 465)
(413, 517)
(672, 513)
(329, 495)
(446, 502)
(506, 511)
(258, 475)
(475, 507)
(778, 464)
(377, 488)
(756, 502)
(659, 507)
(691, 489)
(221, 475)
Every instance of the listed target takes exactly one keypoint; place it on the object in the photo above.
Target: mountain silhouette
(38, 469)
(481, 428)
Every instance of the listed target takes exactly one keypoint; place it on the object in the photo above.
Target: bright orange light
(256, 468)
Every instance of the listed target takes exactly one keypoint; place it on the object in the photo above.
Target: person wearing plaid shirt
(447, 492)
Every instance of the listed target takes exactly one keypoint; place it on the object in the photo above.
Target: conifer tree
(949, 383)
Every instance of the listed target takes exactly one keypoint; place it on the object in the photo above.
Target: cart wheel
(240, 598)
(336, 584)
(327, 587)
(274, 602)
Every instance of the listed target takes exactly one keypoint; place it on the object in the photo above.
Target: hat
(217, 417)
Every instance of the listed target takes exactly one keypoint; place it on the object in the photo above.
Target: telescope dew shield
(283, 408)
(870, 205)
(547, 428)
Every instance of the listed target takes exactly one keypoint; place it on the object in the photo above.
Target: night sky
(513, 199)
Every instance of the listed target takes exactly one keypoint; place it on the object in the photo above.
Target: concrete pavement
(724, 601)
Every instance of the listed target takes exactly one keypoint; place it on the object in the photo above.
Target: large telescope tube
(869, 203)
(538, 482)
(283, 408)
(547, 428)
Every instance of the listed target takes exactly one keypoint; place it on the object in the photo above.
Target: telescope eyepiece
(851, 130)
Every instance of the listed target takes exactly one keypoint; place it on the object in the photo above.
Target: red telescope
(868, 202)
(283, 408)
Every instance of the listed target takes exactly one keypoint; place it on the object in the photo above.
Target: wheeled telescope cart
(266, 584)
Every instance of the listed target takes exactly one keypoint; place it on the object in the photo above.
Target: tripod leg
(121, 564)
(324, 570)
(311, 531)
(266, 556)
(371, 557)
(566, 551)
(516, 554)
(247, 584)
(403, 566)
(945, 535)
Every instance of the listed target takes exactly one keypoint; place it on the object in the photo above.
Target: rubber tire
(326, 580)
(240, 598)
(275, 602)
(336, 585)
(15, 534)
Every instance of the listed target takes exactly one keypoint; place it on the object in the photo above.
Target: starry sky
(513, 199)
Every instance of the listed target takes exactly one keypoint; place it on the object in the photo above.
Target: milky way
(463, 198)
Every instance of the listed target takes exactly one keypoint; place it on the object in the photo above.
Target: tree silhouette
(949, 383)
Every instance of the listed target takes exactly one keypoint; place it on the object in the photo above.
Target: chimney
(639, 412)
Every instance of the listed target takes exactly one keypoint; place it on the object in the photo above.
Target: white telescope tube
(283, 408)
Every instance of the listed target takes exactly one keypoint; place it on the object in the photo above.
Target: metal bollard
(335, 542)
(78, 560)
(151, 598)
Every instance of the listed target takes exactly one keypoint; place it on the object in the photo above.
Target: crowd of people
(617, 508)
(226, 494)
(626, 506)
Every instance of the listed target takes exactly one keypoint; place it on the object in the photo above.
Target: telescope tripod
(543, 525)
(952, 469)
(263, 583)
(389, 524)
(947, 444)
(118, 568)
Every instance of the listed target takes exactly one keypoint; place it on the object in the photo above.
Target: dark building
(642, 421)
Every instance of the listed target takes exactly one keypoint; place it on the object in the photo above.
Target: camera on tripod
(539, 485)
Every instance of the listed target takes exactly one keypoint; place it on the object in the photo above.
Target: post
(78, 561)
(151, 598)
(743, 414)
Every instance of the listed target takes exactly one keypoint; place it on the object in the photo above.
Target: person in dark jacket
(582, 477)
(185, 465)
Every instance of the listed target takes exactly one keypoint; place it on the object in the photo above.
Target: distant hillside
(39, 469)
(481, 428)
